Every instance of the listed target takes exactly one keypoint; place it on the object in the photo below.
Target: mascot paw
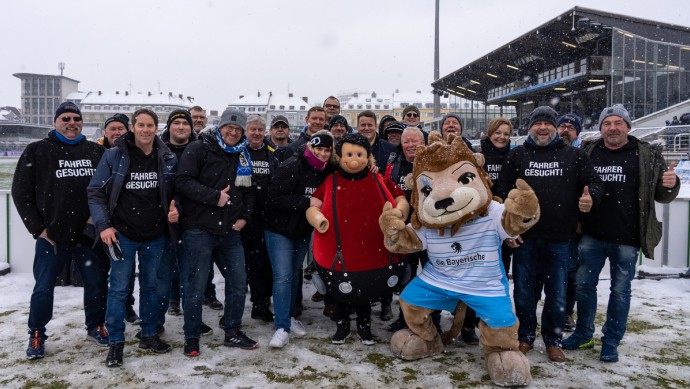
(508, 368)
(407, 345)
(523, 201)
(391, 222)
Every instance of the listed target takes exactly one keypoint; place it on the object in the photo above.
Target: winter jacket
(652, 166)
(107, 183)
(292, 186)
(49, 187)
(204, 170)
(381, 150)
(558, 174)
(283, 153)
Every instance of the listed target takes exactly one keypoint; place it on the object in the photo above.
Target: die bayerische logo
(457, 247)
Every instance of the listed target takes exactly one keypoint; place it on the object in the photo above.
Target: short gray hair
(253, 118)
(413, 130)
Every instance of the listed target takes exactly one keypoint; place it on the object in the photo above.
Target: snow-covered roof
(368, 99)
(136, 98)
(260, 99)
(288, 100)
(7, 115)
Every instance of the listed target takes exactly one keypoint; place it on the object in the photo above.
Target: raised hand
(668, 179)
(224, 197)
(173, 215)
(585, 203)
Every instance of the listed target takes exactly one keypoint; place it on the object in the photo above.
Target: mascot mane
(436, 158)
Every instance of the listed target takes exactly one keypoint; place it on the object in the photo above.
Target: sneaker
(174, 308)
(206, 330)
(469, 336)
(398, 325)
(191, 347)
(574, 342)
(569, 324)
(364, 332)
(297, 328)
(386, 312)
(237, 338)
(114, 357)
(525, 347)
(221, 322)
(155, 344)
(213, 303)
(609, 353)
(160, 329)
(36, 347)
(317, 297)
(280, 339)
(262, 313)
(99, 335)
(341, 332)
(131, 317)
(555, 354)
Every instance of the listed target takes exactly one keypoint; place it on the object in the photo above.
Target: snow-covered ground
(654, 352)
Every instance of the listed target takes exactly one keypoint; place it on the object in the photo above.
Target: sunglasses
(412, 115)
(66, 119)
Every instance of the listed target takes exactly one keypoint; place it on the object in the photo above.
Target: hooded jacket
(651, 167)
(493, 158)
(289, 195)
(204, 170)
(107, 183)
(49, 187)
(558, 174)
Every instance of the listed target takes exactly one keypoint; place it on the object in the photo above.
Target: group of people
(234, 196)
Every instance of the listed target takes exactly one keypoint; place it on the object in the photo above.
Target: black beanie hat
(339, 119)
(394, 126)
(542, 114)
(321, 140)
(118, 117)
(180, 114)
(67, 106)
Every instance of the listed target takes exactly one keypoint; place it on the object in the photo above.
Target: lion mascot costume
(460, 224)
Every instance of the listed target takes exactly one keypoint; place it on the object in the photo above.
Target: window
(351, 106)
(292, 108)
(252, 109)
(385, 106)
(377, 106)
(302, 107)
(272, 107)
(282, 107)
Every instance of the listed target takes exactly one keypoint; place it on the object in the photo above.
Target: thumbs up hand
(668, 179)
(224, 197)
(173, 215)
(585, 203)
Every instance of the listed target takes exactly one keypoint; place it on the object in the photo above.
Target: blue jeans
(149, 254)
(199, 250)
(286, 255)
(49, 261)
(167, 270)
(551, 259)
(622, 259)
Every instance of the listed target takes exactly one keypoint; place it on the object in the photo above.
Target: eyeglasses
(197, 117)
(66, 119)
(568, 127)
(411, 115)
(333, 106)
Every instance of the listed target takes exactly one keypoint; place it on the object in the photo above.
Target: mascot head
(449, 185)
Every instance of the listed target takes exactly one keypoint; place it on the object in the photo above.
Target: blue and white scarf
(62, 138)
(244, 167)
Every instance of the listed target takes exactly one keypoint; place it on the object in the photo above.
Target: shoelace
(36, 340)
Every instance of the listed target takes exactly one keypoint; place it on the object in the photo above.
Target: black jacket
(292, 185)
(204, 170)
(558, 174)
(49, 187)
(381, 150)
(283, 153)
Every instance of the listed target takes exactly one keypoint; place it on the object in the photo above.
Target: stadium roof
(577, 33)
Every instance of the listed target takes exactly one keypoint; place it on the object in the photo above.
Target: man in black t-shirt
(635, 176)
(131, 203)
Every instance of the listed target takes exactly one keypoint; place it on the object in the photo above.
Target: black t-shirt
(262, 165)
(616, 218)
(139, 212)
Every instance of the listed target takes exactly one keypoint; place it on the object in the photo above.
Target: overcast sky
(218, 50)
